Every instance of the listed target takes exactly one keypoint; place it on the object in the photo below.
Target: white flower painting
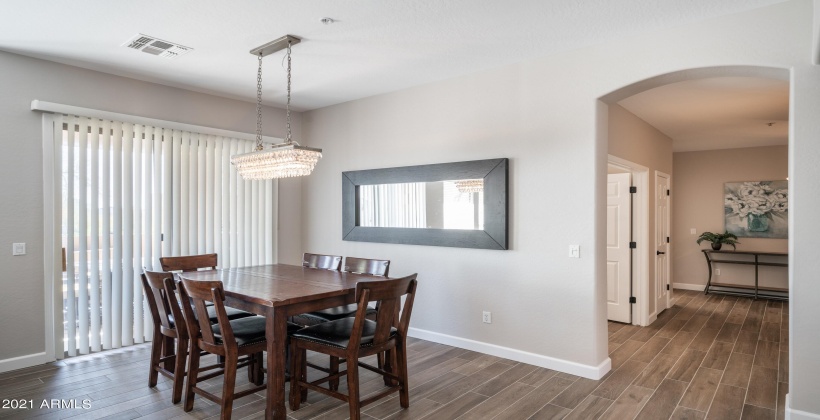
(757, 209)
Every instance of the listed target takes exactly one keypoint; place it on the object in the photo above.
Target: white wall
(804, 242)
(542, 115)
(633, 139)
(23, 79)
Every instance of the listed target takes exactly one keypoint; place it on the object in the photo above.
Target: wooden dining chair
(188, 262)
(320, 261)
(358, 337)
(368, 266)
(166, 359)
(239, 341)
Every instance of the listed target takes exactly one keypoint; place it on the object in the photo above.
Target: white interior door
(618, 255)
(662, 286)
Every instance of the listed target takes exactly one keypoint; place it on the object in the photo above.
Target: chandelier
(284, 160)
(469, 185)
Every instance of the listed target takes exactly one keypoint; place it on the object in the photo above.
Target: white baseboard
(792, 414)
(689, 286)
(24, 361)
(586, 371)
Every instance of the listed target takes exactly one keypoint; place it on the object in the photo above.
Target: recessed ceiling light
(327, 20)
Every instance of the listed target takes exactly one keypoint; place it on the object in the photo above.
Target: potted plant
(718, 239)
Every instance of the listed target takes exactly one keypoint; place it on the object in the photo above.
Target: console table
(755, 290)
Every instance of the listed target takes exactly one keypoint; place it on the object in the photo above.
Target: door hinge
(633, 245)
(632, 299)
(633, 190)
(667, 286)
(667, 192)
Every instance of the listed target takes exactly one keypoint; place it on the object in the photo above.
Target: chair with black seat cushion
(368, 266)
(358, 337)
(239, 341)
(320, 262)
(189, 262)
(358, 266)
(166, 358)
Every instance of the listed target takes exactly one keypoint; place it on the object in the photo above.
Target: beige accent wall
(633, 139)
(698, 203)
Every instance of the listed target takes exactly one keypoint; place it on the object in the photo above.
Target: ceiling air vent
(152, 45)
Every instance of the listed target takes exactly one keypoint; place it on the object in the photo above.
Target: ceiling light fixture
(469, 185)
(284, 160)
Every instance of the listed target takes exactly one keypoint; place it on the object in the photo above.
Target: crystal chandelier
(283, 160)
(469, 185)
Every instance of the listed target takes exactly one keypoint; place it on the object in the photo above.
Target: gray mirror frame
(495, 175)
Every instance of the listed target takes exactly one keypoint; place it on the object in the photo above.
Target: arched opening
(643, 142)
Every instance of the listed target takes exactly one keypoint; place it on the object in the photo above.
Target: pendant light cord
(259, 105)
(287, 107)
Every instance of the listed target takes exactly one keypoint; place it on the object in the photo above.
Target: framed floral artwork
(757, 209)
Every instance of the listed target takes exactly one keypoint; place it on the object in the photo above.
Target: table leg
(276, 334)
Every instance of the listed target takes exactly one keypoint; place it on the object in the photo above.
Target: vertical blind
(132, 193)
(393, 205)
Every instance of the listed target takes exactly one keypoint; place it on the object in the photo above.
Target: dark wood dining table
(276, 292)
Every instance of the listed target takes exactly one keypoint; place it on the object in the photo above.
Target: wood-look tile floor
(713, 356)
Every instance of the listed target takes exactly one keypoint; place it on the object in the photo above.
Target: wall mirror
(458, 204)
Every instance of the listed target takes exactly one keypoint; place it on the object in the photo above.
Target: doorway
(638, 276)
(618, 239)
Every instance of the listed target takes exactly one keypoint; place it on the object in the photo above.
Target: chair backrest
(163, 304)
(324, 262)
(389, 311)
(188, 262)
(367, 266)
(194, 295)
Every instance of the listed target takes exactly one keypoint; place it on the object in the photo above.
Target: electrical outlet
(487, 317)
(717, 271)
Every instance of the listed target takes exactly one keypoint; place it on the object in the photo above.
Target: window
(131, 193)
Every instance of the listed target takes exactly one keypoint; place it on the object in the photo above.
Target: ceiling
(717, 113)
(375, 47)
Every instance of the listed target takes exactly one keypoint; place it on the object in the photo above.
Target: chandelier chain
(259, 105)
(287, 107)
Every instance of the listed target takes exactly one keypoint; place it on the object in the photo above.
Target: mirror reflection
(455, 204)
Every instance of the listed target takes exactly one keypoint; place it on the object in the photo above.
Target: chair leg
(333, 365)
(401, 371)
(296, 372)
(193, 370)
(252, 368)
(385, 363)
(168, 349)
(303, 374)
(353, 387)
(156, 353)
(179, 369)
(228, 387)
(259, 368)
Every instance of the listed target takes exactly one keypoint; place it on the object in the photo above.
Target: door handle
(659, 253)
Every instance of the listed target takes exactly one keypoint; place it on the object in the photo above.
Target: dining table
(278, 291)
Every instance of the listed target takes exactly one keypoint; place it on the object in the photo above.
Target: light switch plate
(693, 231)
(18, 248)
(575, 251)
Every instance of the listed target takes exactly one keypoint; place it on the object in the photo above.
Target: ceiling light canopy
(284, 160)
